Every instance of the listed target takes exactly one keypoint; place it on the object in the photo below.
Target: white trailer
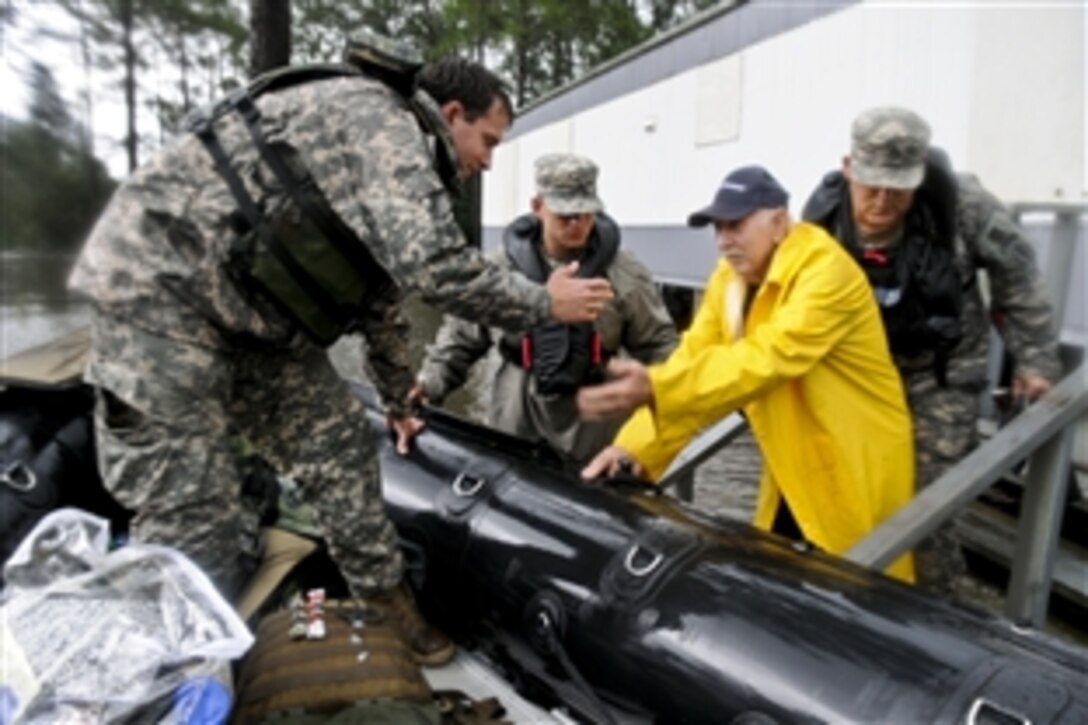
(778, 83)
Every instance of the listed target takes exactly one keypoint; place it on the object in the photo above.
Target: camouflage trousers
(945, 431)
(168, 416)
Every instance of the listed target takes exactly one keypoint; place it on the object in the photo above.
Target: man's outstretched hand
(574, 299)
(627, 388)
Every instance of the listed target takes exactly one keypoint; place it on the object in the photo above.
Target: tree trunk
(87, 124)
(270, 35)
(130, 82)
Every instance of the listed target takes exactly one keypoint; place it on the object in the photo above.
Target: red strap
(875, 255)
(595, 348)
(526, 352)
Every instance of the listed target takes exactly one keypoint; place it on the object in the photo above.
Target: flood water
(34, 306)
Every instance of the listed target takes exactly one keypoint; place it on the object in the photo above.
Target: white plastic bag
(88, 635)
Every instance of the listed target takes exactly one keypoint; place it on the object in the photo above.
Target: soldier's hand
(574, 299)
(406, 428)
(628, 388)
(1029, 386)
(611, 461)
(417, 397)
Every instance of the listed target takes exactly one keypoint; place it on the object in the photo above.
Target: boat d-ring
(466, 485)
(635, 569)
(983, 710)
(19, 477)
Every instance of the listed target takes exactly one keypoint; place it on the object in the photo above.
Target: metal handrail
(1045, 432)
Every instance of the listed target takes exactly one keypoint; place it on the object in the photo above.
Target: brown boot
(429, 647)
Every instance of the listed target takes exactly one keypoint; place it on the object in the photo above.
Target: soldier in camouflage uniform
(567, 223)
(187, 353)
(922, 234)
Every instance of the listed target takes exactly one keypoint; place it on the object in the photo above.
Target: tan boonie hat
(567, 184)
(889, 148)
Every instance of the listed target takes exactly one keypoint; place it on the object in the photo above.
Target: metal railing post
(1039, 530)
(1059, 263)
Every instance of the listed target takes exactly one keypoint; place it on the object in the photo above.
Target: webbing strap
(206, 133)
(546, 627)
(327, 223)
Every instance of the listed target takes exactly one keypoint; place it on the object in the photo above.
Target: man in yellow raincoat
(788, 331)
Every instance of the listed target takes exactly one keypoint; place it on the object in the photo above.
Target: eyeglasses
(574, 218)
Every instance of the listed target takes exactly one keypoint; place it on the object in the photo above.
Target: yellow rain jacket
(810, 367)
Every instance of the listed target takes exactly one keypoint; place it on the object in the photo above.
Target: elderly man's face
(877, 209)
(563, 235)
(748, 244)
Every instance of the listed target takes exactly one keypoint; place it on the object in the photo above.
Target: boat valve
(546, 621)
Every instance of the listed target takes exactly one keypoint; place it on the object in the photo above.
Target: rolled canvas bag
(360, 671)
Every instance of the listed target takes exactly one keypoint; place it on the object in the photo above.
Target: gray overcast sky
(21, 47)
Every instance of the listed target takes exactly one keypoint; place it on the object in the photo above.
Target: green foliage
(191, 43)
(537, 45)
(53, 187)
(199, 46)
(667, 13)
(320, 27)
(556, 41)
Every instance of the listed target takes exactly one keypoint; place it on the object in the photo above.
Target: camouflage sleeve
(387, 355)
(385, 187)
(456, 278)
(649, 334)
(1017, 293)
(457, 346)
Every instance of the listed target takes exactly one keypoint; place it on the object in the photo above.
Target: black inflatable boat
(618, 603)
(624, 604)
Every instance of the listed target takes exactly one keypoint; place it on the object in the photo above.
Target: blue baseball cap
(742, 192)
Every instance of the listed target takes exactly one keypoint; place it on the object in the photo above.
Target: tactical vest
(314, 269)
(560, 357)
(916, 281)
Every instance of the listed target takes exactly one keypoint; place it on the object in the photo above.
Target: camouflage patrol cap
(889, 148)
(366, 48)
(568, 184)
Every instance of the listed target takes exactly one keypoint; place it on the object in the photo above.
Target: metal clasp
(466, 485)
(985, 712)
(635, 569)
(19, 477)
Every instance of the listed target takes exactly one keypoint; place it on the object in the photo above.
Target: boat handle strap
(19, 477)
(634, 568)
(466, 485)
(983, 711)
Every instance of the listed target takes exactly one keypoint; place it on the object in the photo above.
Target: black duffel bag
(47, 461)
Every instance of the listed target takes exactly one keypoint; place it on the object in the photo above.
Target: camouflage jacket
(987, 239)
(635, 321)
(157, 258)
